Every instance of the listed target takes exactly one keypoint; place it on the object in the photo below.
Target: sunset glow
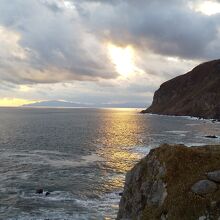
(13, 102)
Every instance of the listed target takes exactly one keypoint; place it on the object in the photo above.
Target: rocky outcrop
(173, 182)
(196, 93)
(214, 176)
(203, 187)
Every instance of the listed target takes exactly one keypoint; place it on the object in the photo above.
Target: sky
(101, 51)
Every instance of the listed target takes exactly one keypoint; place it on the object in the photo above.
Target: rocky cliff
(196, 93)
(173, 182)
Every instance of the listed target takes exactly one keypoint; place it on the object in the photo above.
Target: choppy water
(80, 156)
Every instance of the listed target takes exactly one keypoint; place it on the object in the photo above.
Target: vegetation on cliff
(174, 182)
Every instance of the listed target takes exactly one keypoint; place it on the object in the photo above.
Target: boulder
(214, 176)
(211, 136)
(47, 193)
(39, 191)
(204, 187)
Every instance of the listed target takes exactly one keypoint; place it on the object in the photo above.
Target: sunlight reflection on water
(119, 133)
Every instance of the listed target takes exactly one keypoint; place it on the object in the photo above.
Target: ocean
(81, 157)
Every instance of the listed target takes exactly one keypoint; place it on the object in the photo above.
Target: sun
(122, 58)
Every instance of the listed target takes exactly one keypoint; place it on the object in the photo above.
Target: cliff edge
(196, 93)
(173, 182)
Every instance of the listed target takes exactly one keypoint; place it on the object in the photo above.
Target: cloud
(60, 41)
(46, 44)
(165, 27)
(59, 47)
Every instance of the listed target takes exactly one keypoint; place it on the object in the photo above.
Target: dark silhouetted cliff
(196, 93)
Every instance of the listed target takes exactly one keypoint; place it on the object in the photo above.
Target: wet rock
(163, 216)
(204, 187)
(47, 193)
(214, 176)
(211, 136)
(39, 191)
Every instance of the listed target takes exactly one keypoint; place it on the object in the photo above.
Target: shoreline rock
(173, 182)
(211, 136)
(39, 191)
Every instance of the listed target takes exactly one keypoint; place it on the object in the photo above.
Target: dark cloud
(165, 27)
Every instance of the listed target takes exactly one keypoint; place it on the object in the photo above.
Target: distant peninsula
(66, 104)
(196, 93)
(55, 104)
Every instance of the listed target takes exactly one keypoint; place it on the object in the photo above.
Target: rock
(47, 193)
(163, 216)
(204, 187)
(158, 193)
(168, 184)
(196, 93)
(39, 191)
(138, 192)
(214, 176)
(211, 136)
(121, 194)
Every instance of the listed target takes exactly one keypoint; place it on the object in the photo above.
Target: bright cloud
(122, 58)
(208, 7)
(9, 44)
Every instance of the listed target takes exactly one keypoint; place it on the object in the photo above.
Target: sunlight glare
(122, 58)
(209, 7)
(13, 102)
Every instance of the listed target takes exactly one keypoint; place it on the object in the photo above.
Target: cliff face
(196, 93)
(173, 182)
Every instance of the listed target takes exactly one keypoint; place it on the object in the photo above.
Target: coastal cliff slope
(196, 93)
(173, 182)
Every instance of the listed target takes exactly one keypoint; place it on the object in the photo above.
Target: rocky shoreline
(173, 182)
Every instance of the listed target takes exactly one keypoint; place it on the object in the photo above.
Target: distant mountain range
(55, 103)
(65, 104)
(196, 93)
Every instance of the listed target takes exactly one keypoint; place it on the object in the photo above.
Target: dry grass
(185, 166)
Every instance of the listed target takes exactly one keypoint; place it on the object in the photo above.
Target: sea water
(81, 157)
